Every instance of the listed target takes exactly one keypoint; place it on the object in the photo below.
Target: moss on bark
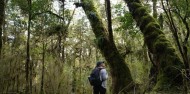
(170, 65)
(121, 76)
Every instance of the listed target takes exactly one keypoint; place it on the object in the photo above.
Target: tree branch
(108, 12)
(49, 12)
(69, 21)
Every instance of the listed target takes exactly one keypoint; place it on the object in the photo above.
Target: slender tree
(155, 14)
(28, 82)
(2, 9)
(182, 47)
(43, 69)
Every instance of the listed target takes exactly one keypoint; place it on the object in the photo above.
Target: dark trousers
(99, 90)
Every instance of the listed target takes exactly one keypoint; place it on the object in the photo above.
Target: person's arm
(103, 74)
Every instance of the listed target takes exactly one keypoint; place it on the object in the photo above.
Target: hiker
(99, 87)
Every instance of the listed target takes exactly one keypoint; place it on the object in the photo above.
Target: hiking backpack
(94, 78)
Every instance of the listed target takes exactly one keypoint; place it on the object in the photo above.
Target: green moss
(151, 35)
(162, 81)
(152, 38)
(100, 42)
(145, 20)
(169, 64)
(134, 8)
(140, 11)
(170, 50)
(135, 5)
(167, 78)
(160, 47)
(152, 26)
(169, 74)
(163, 39)
(94, 18)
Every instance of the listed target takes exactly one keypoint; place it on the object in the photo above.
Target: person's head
(100, 64)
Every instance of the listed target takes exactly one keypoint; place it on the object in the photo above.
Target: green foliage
(55, 30)
(12, 69)
(127, 21)
(23, 4)
(181, 6)
(119, 9)
(67, 69)
(37, 5)
(124, 17)
(41, 5)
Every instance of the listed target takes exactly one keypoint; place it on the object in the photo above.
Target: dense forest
(51, 46)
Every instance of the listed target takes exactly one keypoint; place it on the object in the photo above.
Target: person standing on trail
(98, 78)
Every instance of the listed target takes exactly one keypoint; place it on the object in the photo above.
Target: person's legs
(96, 90)
(102, 90)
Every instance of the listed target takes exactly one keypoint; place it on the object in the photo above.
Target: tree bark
(4, 23)
(27, 66)
(155, 14)
(2, 9)
(153, 70)
(121, 76)
(170, 65)
(43, 69)
(186, 24)
(108, 12)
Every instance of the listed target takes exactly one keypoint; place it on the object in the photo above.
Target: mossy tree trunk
(170, 65)
(2, 9)
(153, 58)
(121, 76)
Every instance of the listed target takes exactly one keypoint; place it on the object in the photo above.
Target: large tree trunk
(2, 9)
(121, 76)
(153, 70)
(170, 65)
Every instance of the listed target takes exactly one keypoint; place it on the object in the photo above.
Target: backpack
(94, 78)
